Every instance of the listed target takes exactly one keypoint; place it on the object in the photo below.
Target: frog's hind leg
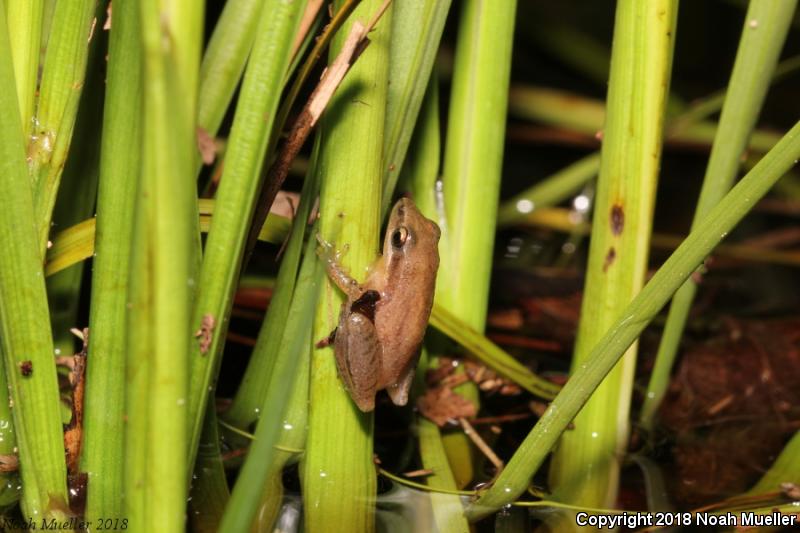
(398, 391)
(358, 358)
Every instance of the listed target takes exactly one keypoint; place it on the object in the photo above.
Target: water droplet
(581, 203)
(525, 206)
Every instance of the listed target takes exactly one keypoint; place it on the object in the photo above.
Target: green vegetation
(172, 168)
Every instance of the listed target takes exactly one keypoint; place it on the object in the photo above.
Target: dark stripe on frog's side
(365, 304)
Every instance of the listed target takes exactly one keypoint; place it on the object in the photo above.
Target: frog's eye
(399, 237)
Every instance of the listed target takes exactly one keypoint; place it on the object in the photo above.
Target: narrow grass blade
(224, 60)
(77, 243)
(103, 448)
(236, 196)
(514, 480)
(338, 457)
(24, 318)
(490, 354)
(416, 31)
(759, 49)
(25, 33)
(785, 469)
(63, 74)
(586, 465)
(76, 201)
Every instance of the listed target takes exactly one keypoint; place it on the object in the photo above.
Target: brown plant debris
(73, 432)
(26, 368)
(207, 146)
(440, 405)
(488, 380)
(476, 439)
(9, 462)
(743, 382)
(206, 332)
(791, 490)
(332, 77)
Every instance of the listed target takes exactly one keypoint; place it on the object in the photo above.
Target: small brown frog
(383, 321)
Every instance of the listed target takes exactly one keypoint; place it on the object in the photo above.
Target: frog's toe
(398, 391)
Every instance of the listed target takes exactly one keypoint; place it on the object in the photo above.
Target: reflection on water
(399, 510)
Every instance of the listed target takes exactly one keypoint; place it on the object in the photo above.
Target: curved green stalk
(514, 480)
(24, 317)
(338, 457)
(756, 59)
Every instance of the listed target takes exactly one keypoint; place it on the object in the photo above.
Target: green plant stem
(292, 435)
(262, 455)
(25, 31)
(759, 49)
(238, 189)
(447, 509)
(566, 182)
(471, 174)
(24, 319)
(514, 480)
(785, 469)
(420, 174)
(77, 242)
(76, 200)
(586, 465)
(338, 457)
(249, 398)
(163, 258)
(63, 77)
(209, 490)
(416, 32)
(224, 60)
(103, 449)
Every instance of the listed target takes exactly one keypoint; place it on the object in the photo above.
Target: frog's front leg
(331, 257)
